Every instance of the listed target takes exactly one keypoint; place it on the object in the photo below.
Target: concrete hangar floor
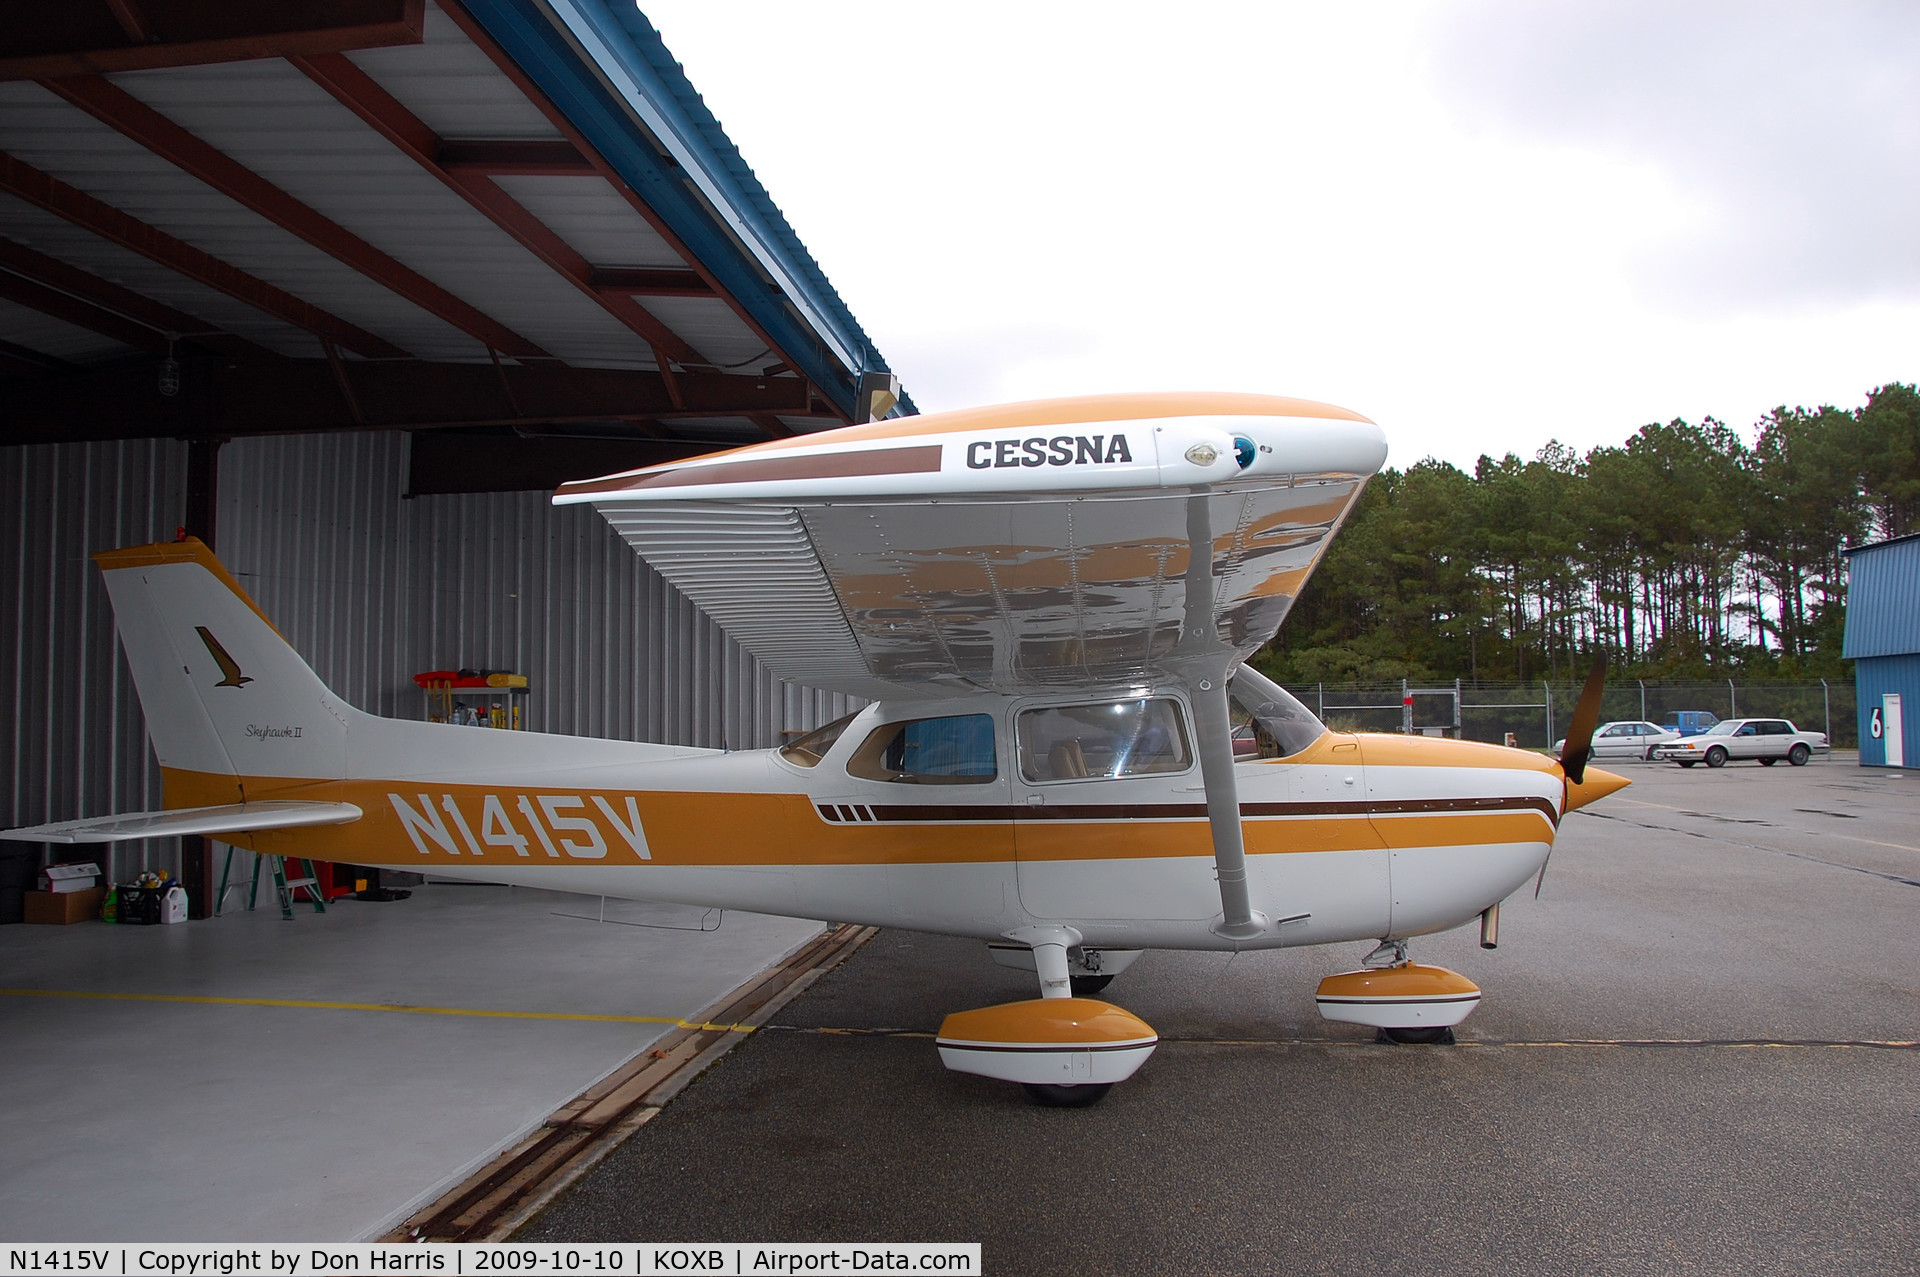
(248, 1078)
(1696, 1054)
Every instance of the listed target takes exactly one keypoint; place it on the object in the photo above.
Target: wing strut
(1206, 661)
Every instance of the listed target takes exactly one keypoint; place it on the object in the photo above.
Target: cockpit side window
(1267, 721)
(811, 748)
(956, 750)
(1104, 741)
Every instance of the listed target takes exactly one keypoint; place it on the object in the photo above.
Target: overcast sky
(1483, 224)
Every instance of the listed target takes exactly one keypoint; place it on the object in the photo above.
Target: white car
(1765, 740)
(1635, 739)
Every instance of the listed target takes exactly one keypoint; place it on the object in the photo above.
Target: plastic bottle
(110, 905)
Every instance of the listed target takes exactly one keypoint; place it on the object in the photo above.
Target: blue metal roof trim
(610, 74)
(1883, 599)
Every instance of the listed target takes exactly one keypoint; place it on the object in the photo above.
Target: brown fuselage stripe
(919, 814)
(924, 459)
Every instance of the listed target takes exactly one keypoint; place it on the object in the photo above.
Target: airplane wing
(216, 822)
(1015, 548)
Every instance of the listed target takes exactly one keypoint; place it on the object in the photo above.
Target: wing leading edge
(1019, 549)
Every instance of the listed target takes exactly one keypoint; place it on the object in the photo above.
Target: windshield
(1724, 729)
(1267, 717)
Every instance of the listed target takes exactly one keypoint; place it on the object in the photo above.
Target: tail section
(225, 695)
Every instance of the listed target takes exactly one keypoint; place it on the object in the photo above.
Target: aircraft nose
(1594, 786)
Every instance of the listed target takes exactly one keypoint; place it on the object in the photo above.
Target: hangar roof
(1883, 599)
(510, 221)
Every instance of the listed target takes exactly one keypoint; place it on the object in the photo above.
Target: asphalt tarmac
(1682, 1064)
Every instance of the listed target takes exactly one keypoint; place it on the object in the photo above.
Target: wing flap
(753, 569)
(236, 818)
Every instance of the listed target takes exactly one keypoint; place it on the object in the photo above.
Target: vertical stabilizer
(224, 693)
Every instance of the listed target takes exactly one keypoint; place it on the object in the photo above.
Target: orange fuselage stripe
(700, 829)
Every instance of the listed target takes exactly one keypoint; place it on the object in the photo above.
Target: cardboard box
(65, 906)
(77, 876)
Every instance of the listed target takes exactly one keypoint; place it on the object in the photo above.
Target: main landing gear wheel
(1716, 757)
(1427, 1035)
(1403, 1002)
(1085, 986)
(1798, 755)
(1066, 1051)
(1056, 1095)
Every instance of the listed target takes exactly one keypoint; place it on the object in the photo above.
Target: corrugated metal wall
(1883, 600)
(1876, 677)
(74, 741)
(371, 588)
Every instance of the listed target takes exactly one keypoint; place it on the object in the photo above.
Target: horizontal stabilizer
(213, 822)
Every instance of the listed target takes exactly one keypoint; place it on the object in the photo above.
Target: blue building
(1883, 639)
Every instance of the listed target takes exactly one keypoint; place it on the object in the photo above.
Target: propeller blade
(1586, 716)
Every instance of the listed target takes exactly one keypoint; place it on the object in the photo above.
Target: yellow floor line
(376, 1006)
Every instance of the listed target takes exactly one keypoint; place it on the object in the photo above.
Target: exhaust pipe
(1490, 927)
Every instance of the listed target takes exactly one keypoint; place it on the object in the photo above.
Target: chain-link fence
(1537, 713)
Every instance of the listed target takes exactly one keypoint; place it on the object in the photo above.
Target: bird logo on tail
(228, 666)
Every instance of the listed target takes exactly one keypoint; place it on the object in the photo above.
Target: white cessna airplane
(1048, 604)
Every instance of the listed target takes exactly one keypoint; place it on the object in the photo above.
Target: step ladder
(283, 886)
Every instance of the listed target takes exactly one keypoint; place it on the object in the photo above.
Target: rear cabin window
(811, 748)
(929, 751)
(1106, 741)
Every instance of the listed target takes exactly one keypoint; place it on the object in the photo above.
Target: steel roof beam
(121, 111)
(133, 23)
(103, 294)
(220, 397)
(511, 159)
(44, 191)
(448, 463)
(803, 350)
(387, 115)
(644, 282)
(25, 361)
(81, 314)
(99, 37)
